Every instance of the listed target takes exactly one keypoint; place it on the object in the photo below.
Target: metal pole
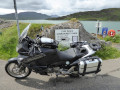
(97, 31)
(98, 27)
(16, 15)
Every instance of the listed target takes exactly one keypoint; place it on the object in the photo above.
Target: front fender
(18, 59)
(13, 59)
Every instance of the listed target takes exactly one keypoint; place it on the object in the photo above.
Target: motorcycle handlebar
(78, 44)
(95, 46)
(29, 40)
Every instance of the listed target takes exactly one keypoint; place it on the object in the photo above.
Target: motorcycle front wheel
(15, 71)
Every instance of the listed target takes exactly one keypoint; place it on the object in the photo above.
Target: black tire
(15, 62)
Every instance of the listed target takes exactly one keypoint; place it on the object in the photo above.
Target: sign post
(16, 15)
(98, 25)
(104, 31)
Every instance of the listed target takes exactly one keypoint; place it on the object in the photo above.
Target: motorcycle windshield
(24, 33)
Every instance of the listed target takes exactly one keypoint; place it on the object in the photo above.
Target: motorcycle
(41, 55)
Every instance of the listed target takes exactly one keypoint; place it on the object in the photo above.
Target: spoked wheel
(15, 71)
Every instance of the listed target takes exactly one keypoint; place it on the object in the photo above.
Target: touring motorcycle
(41, 55)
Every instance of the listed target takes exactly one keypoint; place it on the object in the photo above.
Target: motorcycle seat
(69, 55)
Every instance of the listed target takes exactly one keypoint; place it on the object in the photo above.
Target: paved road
(107, 79)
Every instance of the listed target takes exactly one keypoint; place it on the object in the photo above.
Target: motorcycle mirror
(37, 35)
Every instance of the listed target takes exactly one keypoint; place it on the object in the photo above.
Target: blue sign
(104, 31)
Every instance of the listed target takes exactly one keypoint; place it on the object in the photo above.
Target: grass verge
(8, 41)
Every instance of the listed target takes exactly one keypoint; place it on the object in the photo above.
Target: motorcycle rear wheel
(13, 70)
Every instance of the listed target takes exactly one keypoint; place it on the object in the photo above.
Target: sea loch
(90, 26)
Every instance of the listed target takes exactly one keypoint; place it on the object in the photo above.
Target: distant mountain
(54, 16)
(25, 16)
(112, 14)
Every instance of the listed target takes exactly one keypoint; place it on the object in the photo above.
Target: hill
(26, 16)
(112, 14)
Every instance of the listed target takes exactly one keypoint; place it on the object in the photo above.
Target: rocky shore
(5, 24)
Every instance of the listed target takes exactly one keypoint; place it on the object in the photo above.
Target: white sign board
(67, 36)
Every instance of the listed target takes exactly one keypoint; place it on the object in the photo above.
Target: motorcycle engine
(55, 69)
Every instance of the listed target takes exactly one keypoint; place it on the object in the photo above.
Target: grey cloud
(7, 4)
(60, 7)
(25, 4)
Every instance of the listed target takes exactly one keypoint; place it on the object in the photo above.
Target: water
(90, 26)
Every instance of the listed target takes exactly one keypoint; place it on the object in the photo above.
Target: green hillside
(112, 14)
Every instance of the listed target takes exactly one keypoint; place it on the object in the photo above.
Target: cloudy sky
(57, 7)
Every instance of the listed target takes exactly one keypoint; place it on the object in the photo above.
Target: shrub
(36, 29)
(74, 20)
(62, 48)
(115, 39)
(108, 52)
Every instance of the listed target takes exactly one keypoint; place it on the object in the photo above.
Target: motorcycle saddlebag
(90, 65)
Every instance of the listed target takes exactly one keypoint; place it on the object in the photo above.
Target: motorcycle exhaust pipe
(71, 69)
(67, 72)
